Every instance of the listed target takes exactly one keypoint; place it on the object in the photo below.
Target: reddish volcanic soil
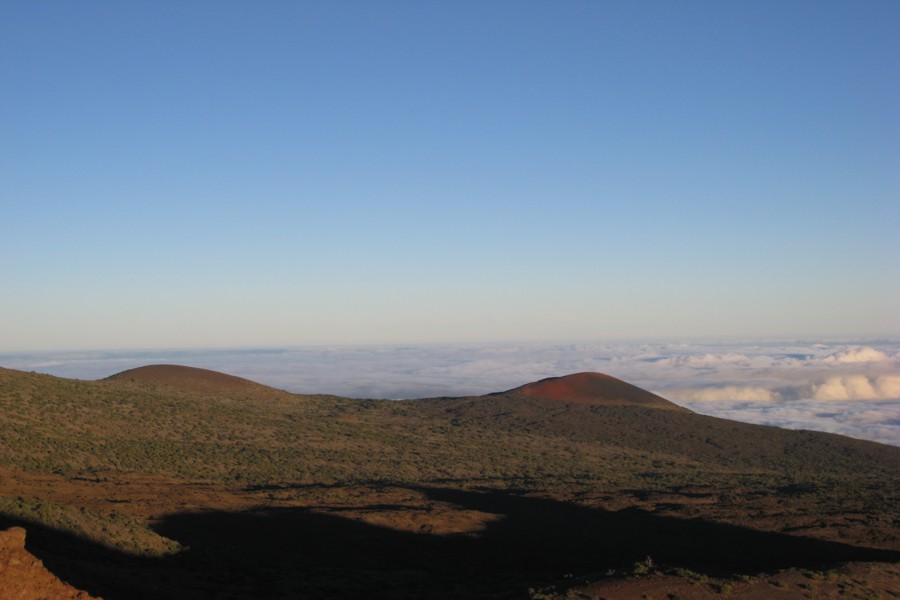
(194, 380)
(23, 577)
(594, 388)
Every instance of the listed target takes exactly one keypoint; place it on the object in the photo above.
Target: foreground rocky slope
(23, 577)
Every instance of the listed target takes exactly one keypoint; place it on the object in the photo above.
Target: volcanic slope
(595, 389)
(195, 380)
(602, 411)
(173, 472)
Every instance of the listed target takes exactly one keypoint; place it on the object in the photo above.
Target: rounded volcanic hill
(595, 389)
(194, 380)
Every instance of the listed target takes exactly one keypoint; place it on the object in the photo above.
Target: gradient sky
(187, 174)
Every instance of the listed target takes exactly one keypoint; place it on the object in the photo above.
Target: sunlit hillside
(152, 465)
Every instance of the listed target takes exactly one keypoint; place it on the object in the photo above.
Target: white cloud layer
(858, 387)
(726, 392)
(708, 360)
(851, 388)
(837, 387)
(856, 354)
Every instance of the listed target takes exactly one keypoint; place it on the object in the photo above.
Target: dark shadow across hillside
(302, 553)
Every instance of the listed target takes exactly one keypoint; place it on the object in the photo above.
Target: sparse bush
(643, 567)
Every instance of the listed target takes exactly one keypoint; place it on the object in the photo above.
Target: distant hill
(194, 380)
(593, 388)
(196, 422)
(603, 412)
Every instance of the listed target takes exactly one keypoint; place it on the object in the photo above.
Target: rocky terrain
(23, 577)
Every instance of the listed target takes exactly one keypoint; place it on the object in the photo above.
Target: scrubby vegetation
(75, 427)
(114, 529)
(263, 447)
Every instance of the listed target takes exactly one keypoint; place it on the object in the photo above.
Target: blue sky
(197, 174)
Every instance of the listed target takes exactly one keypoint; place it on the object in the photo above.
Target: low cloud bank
(708, 360)
(801, 384)
(856, 354)
(858, 387)
(725, 392)
(838, 387)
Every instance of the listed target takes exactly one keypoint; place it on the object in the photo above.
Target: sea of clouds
(840, 387)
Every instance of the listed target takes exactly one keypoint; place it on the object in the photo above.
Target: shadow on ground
(302, 553)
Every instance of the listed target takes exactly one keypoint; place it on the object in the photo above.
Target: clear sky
(198, 173)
